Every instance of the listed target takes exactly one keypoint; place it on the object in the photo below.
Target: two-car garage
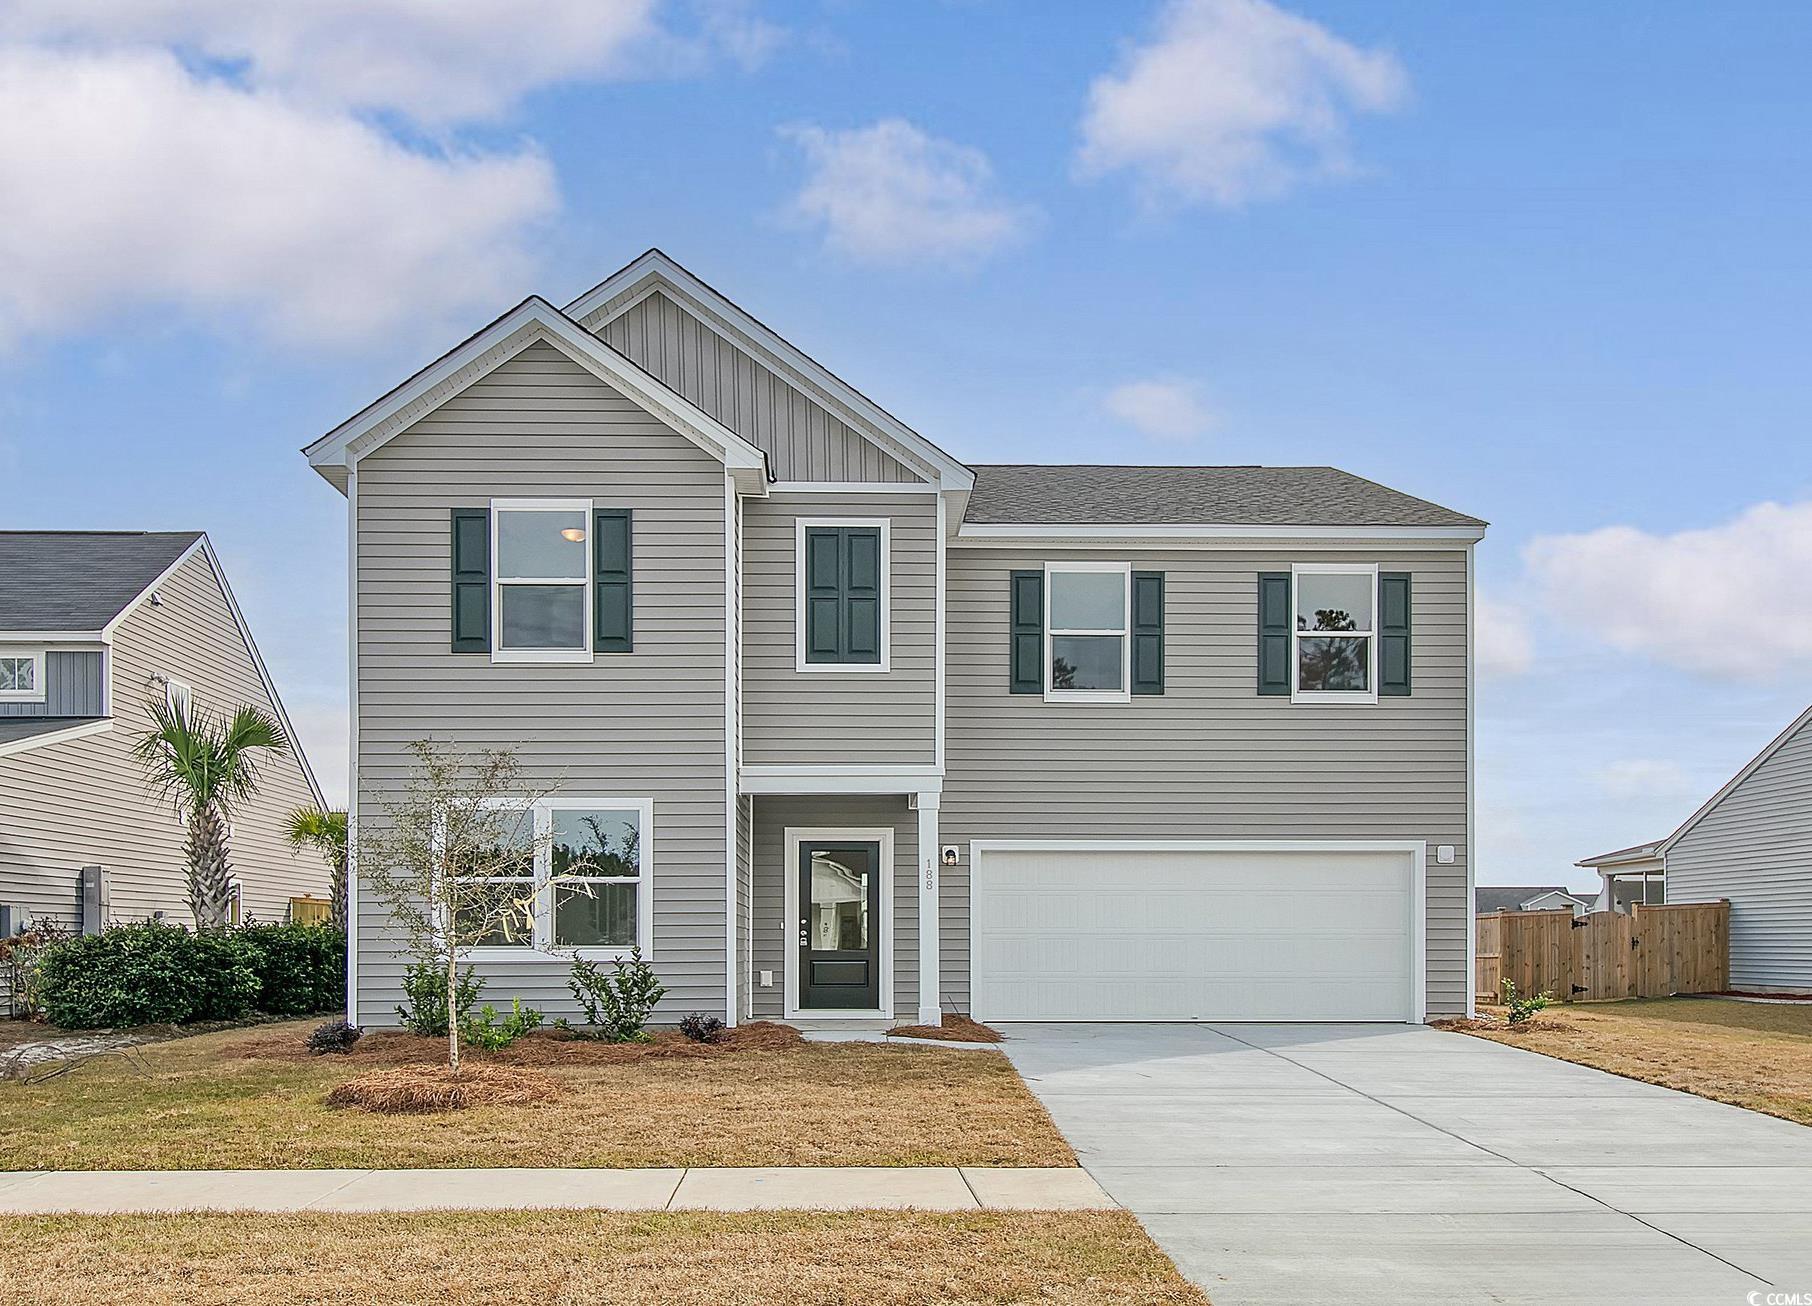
(1163, 931)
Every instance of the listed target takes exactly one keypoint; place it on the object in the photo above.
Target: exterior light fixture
(574, 533)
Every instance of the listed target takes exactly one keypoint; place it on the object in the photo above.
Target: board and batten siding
(646, 724)
(1209, 758)
(774, 933)
(72, 686)
(83, 802)
(804, 441)
(1754, 847)
(838, 715)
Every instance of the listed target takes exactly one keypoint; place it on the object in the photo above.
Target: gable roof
(1755, 763)
(76, 582)
(1049, 494)
(1641, 852)
(654, 269)
(534, 319)
(1511, 897)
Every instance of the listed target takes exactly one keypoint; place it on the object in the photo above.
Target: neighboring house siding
(830, 716)
(650, 723)
(1209, 758)
(745, 903)
(803, 440)
(774, 934)
(84, 801)
(1755, 848)
(72, 687)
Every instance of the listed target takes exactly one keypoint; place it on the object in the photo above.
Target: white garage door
(1138, 934)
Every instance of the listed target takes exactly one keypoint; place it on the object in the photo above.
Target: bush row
(162, 974)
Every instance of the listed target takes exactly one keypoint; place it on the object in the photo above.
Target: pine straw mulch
(953, 1029)
(552, 1047)
(417, 1090)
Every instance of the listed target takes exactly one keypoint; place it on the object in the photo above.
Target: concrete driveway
(1398, 1164)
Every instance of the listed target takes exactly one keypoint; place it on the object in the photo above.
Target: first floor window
(543, 577)
(1335, 631)
(1085, 624)
(498, 887)
(21, 676)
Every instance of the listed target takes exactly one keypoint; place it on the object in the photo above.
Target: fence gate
(1653, 952)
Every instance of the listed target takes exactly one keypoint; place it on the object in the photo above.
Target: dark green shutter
(843, 594)
(1148, 632)
(613, 580)
(823, 594)
(1026, 617)
(471, 580)
(1393, 633)
(861, 594)
(1274, 632)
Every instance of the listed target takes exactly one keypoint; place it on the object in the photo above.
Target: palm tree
(207, 764)
(324, 829)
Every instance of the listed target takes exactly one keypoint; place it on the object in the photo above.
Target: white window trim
(885, 526)
(171, 686)
(1352, 696)
(541, 944)
(789, 937)
(40, 665)
(1120, 695)
(542, 656)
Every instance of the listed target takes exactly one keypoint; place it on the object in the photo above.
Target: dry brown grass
(1748, 1054)
(687, 1259)
(422, 1090)
(953, 1029)
(205, 1103)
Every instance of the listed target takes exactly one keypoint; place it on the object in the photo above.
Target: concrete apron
(801, 1188)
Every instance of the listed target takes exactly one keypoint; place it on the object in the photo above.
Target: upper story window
(842, 600)
(1087, 649)
(21, 675)
(1335, 644)
(542, 606)
(177, 697)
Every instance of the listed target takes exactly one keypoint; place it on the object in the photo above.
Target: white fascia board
(739, 328)
(812, 779)
(531, 321)
(1087, 534)
(64, 735)
(1774, 746)
(94, 637)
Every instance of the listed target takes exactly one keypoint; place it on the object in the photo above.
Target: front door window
(839, 896)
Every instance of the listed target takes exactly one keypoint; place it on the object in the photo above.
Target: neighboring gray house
(93, 625)
(868, 733)
(1531, 897)
(1750, 842)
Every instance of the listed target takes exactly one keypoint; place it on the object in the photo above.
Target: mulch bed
(954, 1029)
(543, 1047)
(415, 1090)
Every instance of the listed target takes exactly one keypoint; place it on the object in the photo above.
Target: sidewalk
(803, 1188)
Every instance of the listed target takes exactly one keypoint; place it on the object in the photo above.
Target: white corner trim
(789, 942)
(930, 1001)
(800, 525)
(732, 738)
(352, 746)
(11, 747)
(939, 700)
(1472, 852)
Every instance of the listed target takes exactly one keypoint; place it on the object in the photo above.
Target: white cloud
(1727, 600)
(1165, 408)
(892, 193)
(1231, 101)
(1502, 647)
(1644, 778)
(126, 180)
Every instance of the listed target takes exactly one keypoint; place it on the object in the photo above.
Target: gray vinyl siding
(1209, 758)
(745, 902)
(831, 716)
(650, 723)
(804, 441)
(1754, 847)
(774, 816)
(72, 687)
(84, 801)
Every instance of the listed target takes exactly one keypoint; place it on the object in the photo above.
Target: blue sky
(1544, 263)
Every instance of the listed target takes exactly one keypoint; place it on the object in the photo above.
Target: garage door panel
(1147, 935)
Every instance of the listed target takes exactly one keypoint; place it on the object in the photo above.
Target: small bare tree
(453, 857)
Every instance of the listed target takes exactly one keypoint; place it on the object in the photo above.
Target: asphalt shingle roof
(1047, 494)
(1500, 897)
(79, 580)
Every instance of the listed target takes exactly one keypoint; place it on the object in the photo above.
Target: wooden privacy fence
(1653, 952)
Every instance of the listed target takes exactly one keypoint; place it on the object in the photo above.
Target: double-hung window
(1335, 635)
(542, 607)
(21, 675)
(498, 887)
(842, 599)
(177, 697)
(1087, 652)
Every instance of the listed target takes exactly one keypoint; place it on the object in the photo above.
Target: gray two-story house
(851, 730)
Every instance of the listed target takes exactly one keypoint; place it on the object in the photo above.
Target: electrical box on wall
(1443, 854)
(767, 979)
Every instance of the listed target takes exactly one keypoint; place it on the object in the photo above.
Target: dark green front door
(839, 926)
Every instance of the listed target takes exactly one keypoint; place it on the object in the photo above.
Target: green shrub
(486, 1031)
(424, 1009)
(1522, 1010)
(301, 968)
(146, 974)
(619, 1001)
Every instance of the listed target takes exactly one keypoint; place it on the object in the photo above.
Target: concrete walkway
(803, 1188)
(1403, 1165)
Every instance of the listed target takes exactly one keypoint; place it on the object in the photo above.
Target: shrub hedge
(156, 973)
